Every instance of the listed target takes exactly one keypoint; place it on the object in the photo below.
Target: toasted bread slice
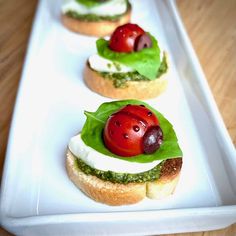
(123, 194)
(133, 90)
(95, 28)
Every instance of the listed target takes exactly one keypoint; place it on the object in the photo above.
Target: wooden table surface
(211, 25)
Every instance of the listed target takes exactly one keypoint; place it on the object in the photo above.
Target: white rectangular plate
(38, 198)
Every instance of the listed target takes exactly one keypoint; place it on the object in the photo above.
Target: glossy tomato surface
(124, 130)
(124, 37)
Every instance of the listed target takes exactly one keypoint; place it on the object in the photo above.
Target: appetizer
(128, 66)
(126, 151)
(95, 17)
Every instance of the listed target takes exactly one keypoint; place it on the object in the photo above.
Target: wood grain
(15, 28)
(211, 25)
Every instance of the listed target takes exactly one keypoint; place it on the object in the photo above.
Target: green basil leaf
(92, 133)
(146, 61)
(119, 80)
(89, 3)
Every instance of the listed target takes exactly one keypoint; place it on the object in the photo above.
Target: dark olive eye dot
(152, 139)
(136, 128)
(117, 123)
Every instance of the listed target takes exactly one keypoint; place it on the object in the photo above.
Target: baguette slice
(116, 194)
(95, 28)
(134, 90)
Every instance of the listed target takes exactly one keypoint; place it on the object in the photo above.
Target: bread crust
(116, 194)
(168, 180)
(104, 191)
(95, 28)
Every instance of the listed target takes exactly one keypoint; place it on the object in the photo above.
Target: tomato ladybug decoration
(129, 38)
(132, 130)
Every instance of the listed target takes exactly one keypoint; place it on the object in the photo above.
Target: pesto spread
(94, 17)
(124, 178)
(163, 67)
(120, 79)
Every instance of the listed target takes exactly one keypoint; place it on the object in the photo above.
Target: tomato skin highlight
(143, 112)
(124, 37)
(124, 130)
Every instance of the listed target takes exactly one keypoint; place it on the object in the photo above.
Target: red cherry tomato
(123, 38)
(124, 130)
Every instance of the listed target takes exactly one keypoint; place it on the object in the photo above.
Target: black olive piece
(143, 41)
(152, 139)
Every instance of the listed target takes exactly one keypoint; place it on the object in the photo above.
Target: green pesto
(109, 65)
(123, 178)
(163, 67)
(117, 66)
(120, 79)
(93, 17)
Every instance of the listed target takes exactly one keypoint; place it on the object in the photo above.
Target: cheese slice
(109, 8)
(101, 64)
(103, 162)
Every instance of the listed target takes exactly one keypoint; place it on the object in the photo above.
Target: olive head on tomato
(129, 38)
